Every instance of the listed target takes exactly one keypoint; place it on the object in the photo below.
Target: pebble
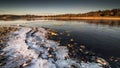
(53, 33)
(71, 40)
(101, 61)
(50, 56)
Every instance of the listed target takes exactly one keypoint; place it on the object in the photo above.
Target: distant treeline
(99, 13)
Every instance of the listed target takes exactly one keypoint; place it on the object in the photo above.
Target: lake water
(101, 37)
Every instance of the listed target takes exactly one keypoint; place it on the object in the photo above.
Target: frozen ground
(30, 48)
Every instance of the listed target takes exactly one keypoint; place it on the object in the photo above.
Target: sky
(49, 7)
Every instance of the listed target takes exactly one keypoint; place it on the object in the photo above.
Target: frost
(29, 48)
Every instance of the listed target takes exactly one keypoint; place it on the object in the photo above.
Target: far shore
(61, 18)
(112, 14)
(83, 18)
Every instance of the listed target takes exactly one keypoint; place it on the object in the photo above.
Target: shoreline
(63, 18)
(84, 18)
(28, 42)
(52, 33)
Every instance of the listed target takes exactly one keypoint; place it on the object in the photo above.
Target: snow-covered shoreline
(29, 48)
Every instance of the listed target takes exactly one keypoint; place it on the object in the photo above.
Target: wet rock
(82, 46)
(103, 62)
(71, 40)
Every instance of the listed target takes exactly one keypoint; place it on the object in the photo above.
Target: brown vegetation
(4, 33)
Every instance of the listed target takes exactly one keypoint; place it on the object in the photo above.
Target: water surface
(99, 36)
